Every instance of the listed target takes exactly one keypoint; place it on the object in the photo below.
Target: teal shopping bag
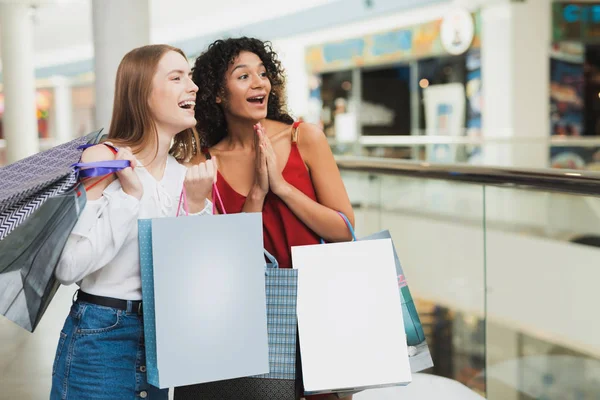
(420, 358)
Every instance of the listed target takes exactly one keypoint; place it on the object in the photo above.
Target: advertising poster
(567, 114)
(474, 92)
(444, 116)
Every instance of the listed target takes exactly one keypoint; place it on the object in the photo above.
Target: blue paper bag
(204, 305)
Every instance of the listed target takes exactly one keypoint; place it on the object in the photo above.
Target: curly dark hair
(209, 75)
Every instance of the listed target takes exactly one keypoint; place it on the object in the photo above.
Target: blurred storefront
(412, 80)
(63, 111)
(43, 100)
(575, 82)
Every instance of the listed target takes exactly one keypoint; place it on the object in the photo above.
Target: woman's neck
(153, 157)
(240, 132)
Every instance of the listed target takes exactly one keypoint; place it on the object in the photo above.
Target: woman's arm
(254, 201)
(321, 216)
(102, 227)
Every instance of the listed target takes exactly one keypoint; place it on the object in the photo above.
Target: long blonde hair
(132, 121)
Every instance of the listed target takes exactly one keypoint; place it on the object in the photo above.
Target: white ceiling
(63, 31)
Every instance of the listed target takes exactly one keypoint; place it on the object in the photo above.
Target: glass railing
(502, 264)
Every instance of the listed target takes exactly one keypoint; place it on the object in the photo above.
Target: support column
(515, 75)
(62, 111)
(532, 40)
(20, 120)
(118, 27)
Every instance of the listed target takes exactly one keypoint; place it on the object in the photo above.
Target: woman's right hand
(130, 182)
(261, 177)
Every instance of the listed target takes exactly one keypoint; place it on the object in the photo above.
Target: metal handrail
(420, 140)
(547, 180)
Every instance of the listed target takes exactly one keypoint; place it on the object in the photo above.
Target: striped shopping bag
(27, 184)
(40, 201)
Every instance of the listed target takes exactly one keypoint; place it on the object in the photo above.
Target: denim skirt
(101, 356)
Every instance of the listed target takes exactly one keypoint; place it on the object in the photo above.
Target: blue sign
(392, 42)
(344, 51)
(573, 13)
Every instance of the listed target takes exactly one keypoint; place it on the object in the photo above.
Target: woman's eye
(176, 78)
(243, 76)
(263, 74)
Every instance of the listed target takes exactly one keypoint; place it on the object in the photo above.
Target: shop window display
(575, 106)
(335, 94)
(43, 101)
(443, 105)
(385, 107)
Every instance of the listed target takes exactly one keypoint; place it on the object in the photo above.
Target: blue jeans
(101, 355)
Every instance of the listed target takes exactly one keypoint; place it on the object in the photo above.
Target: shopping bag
(26, 184)
(40, 200)
(281, 383)
(419, 354)
(350, 317)
(203, 291)
(29, 256)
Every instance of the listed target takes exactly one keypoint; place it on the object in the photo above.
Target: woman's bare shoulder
(99, 152)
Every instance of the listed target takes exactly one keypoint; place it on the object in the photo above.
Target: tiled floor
(26, 363)
(26, 358)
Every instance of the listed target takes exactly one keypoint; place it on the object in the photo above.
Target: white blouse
(102, 253)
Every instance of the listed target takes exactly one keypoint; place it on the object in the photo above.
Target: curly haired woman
(267, 162)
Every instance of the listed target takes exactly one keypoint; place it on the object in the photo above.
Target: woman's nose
(193, 87)
(257, 81)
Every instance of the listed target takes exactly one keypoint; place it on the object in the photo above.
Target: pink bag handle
(218, 196)
(183, 198)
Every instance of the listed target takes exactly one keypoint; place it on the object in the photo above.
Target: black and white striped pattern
(16, 214)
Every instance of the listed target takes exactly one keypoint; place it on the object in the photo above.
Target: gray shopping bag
(282, 382)
(39, 204)
(28, 257)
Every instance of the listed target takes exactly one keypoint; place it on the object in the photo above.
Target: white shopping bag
(209, 298)
(350, 321)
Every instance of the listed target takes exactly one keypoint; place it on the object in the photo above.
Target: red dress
(281, 228)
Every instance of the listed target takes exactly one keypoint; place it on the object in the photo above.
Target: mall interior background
(504, 279)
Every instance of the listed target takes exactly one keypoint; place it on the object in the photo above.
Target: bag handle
(274, 264)
(96, 169)
(183, 197)
(218, 197)
(348, 224)
(99, 168)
